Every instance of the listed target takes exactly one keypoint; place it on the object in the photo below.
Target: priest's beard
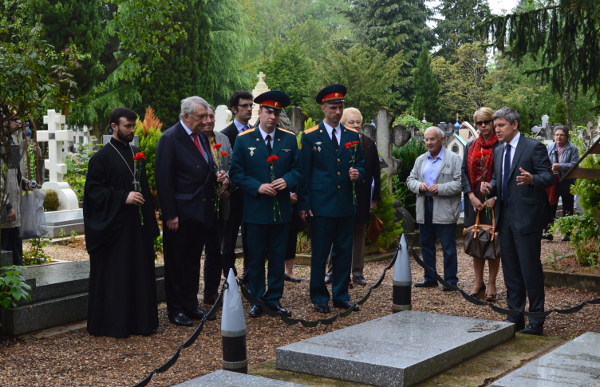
(126, 138)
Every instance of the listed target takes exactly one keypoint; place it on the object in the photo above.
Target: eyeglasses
(479, 123)
(246, 105)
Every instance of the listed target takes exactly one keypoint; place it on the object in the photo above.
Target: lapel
(518, 153)
(188, 144)
(277, 143)
(324, 138)
(259, 142)
(444, 163)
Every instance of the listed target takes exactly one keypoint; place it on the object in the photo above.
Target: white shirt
(265, 134)
(338, 131)
(513, 144)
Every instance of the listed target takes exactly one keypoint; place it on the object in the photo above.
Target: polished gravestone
(67, 220)
(576, 363)
(233, 379)
(401, 349)
(59, 295)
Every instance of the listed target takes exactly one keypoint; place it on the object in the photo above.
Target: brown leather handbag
(481, 240)
(375, 228)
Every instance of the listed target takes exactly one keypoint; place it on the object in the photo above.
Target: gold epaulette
(247, 131)
(310, 130)
(287, 131)
(350, 129)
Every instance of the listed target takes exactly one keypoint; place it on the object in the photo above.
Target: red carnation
(217, 146)
(478, 154)
(348, 145)
(486, 152)
(272, 159)
(355, 142)
(138, 156)
(224, 153)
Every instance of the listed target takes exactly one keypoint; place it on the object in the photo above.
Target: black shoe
(291, 279)
(327, 278)
(346, 305)
(426, 284)
(180, 319)
(451, 288)
(480, 293)
(359, 280)
(519, 325)
(199, 314)
(256, 311)
(566, 238)
(322, 307)
(533, 329)
(281, 310)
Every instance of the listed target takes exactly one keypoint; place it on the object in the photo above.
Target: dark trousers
(331, 235)
(231, 230)
(267, 241)
(428, 234)
(213, 260)
(11, 241)
(568, 201)
(183, 250)
(523, 274)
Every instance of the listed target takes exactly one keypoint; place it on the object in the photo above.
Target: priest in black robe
(122, 293)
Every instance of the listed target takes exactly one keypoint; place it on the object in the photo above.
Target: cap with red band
(332, 94)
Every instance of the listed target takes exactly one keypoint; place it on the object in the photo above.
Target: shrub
(36, 255)
(149, 132)
(77, 166)
(13, 287)
(583, 234)
(407, 154)
(386, 212)
(588, 189)
(51, 202)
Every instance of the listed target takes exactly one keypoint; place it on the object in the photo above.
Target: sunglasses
(479, 123)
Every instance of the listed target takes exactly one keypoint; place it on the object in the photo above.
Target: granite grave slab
(224, 378)
(59, 295)
(574, 364)
(69, 220)
(401, 349)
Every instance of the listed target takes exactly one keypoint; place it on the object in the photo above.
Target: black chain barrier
(325, 321)
(494, 307)
(169, 363)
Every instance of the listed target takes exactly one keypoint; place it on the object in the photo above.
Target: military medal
(252, 151)
(319, 144)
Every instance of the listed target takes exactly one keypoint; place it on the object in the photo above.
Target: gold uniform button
(338, 159)
(338, 173)
(339, 186)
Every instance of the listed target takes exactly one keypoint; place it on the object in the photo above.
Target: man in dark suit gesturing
(186, 182)
(521, 175)
(241, 105)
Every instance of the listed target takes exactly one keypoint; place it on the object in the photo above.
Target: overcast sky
(496, 6)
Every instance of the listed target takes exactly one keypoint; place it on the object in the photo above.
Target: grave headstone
(298, 118)
(261, 87)
(55, 136)
(223, 117)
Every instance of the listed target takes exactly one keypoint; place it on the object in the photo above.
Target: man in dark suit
(241, 105)
(186, 182)
(329, 169)
(521, 175)
(266, 167)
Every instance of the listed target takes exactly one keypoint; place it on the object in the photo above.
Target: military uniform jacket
(326, 187)
(250, 169)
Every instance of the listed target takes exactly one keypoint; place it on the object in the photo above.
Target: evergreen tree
(426, 88)
(564, 33)
(74, 24)
(288, 69)
(394, 26)
(457, 23)
(184, 70)
(231, 44)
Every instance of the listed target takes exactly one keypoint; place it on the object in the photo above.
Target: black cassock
(122, 294)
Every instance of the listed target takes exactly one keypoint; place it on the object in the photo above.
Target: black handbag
(481, 240)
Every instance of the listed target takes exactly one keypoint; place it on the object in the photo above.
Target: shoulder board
(246, 131)
(287, 131)
(310, 130)
(352, 130)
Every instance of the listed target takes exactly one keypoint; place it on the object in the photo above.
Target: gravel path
(78, 359)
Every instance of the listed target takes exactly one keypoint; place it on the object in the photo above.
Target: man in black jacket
(240, 103)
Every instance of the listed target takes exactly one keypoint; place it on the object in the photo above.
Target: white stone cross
(55, 163)
(261, 76)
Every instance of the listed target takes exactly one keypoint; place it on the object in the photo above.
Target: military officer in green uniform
(266, 166)
(332, 160)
